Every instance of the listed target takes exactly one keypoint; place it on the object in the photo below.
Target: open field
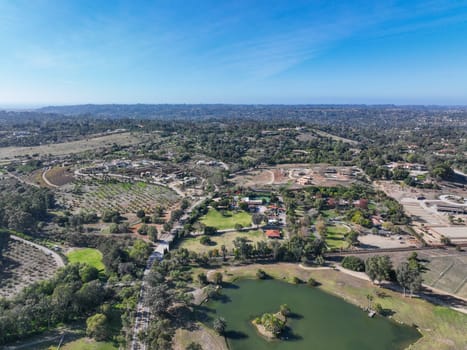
(89, 256)
(59, 176)
(441, 327)
(199, 334)
(445, 269)
(25, 265)
(88, 344)
(59, 149)
(220, 239)
(215, 219)
(123, 197)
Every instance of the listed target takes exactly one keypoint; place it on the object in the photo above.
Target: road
(143, 314)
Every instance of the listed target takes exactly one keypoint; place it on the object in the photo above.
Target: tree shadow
(294, 316)
(235, 335)
(289, 335)
(387, 312)
(229, 285)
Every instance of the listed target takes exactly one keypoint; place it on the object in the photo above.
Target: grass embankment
(216, 219)
(90, 256)
(335, 236)
(202, 335)
(441, 327)
(218, 240)
(88, 344)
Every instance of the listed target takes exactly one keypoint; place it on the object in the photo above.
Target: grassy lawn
(88, 344)
(226, 239)
(215, 219)
(90, 256)
(336, 236)
(441, 327)
(330, 213)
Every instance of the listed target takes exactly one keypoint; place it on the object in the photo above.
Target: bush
(205, 240)
(261, 274)
(312, 282)
(353, 263)
(296, 280)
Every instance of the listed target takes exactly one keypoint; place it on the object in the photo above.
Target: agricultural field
(225, 221)
(123, 197)
(220, 239)
(90, 256)
(25, 265)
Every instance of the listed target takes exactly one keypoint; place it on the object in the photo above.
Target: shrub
(205, 240)
(296, 280)
(312, 282)
(261, 274)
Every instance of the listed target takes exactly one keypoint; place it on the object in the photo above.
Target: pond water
(320, 320)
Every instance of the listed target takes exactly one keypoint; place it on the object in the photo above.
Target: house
(273, 234)
(305, 180)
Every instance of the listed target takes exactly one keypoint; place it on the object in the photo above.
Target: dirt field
(397, 241)
(59, 176)
(70, 147)
(291, 175)
(428, 221)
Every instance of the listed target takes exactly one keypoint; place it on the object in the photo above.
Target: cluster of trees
(4, 239)
(295, 249)
(74, 292)
(380, 268)
(166, 297)
(23, 208)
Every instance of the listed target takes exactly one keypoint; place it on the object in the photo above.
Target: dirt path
(44, 177)
(58, 259)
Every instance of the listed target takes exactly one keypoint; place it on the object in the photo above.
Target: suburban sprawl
(233, 227)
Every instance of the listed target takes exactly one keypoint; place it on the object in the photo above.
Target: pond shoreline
(430, 319)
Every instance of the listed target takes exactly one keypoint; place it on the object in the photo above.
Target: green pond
(319, 320)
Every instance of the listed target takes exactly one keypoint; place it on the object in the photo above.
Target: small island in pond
(272, 325)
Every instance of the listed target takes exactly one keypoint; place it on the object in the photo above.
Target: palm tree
(369, 297)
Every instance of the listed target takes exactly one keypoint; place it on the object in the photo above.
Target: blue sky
(66, 52)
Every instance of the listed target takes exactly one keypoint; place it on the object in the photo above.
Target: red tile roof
(273, 233)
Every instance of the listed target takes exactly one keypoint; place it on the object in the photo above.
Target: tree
(284, 309)
(353, 263)
(257, 219)
(97, 327)
(202, 278)
(369, 298)
(210, 231)
(140, 252)
(352, 238)
(152, 233)
(218, 278)
(321, 227)
(219, 325)
(224, 252)
(409, 277)
(88, 273)
(205, 240)
(194, 346)
(140, 213)
(378, 268)
(4, 239)
(143, 230)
